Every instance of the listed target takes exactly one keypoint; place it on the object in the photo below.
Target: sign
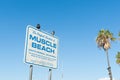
(41, 48)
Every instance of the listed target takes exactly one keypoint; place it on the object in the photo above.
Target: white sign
(40, 48)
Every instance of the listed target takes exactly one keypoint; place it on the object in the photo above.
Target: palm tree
(118, 58)
(103, 41)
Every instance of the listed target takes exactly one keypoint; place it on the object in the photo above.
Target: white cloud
(105, 79)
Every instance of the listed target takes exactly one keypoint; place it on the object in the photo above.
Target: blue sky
(76, 23)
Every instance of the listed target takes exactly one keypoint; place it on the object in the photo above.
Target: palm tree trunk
(109, 68)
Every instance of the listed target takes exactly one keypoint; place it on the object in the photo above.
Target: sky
(76, 23)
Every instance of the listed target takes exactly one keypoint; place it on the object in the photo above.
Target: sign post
(31, 71)
(50, 70)
(31, 66)
(41, 49)
(50, 74)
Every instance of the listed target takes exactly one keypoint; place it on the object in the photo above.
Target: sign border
(26, 43)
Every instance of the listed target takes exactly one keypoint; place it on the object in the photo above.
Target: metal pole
(50, 74)
(31, 66)
(50, 70)
(31, 71)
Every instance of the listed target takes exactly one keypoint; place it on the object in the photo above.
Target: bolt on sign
(41, 48)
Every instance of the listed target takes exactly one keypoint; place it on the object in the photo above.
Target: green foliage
(113, 39)
(118, 58)
(119, 34)
(118, 55)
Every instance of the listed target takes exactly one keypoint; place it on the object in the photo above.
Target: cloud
(105, 79)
